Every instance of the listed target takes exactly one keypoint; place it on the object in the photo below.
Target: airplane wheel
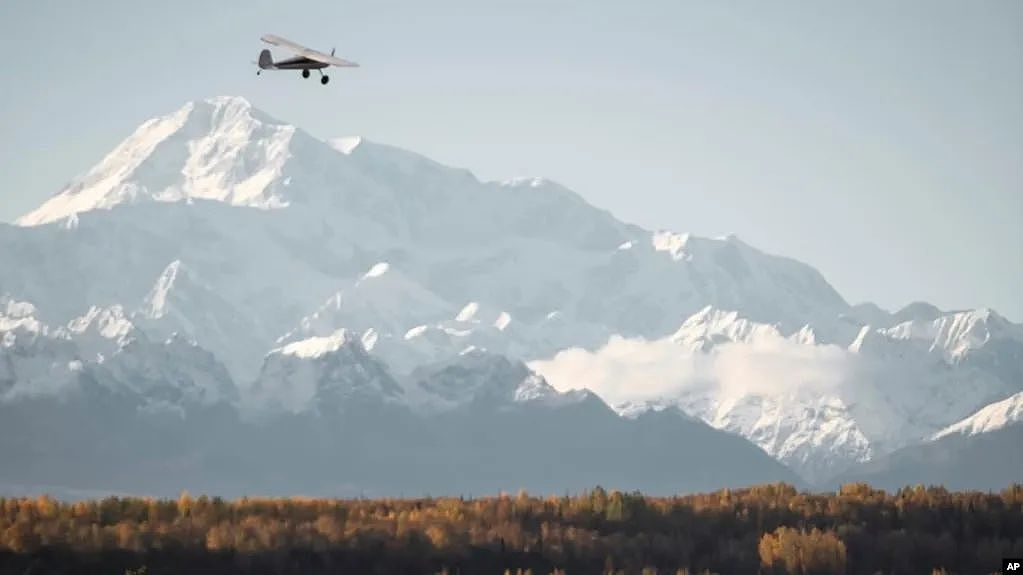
(324, 80)
(305, 73)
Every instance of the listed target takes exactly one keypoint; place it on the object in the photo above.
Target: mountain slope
(980, 452)
(998, 415)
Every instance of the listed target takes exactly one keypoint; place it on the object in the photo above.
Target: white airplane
(306, 59)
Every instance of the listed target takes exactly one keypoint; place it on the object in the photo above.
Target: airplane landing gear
(325, 79)
(305, 73)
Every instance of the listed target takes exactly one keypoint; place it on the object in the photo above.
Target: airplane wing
(308, 52)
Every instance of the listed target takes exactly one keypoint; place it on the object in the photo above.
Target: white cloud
(637, 370)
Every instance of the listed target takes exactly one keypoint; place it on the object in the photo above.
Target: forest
(768, 529)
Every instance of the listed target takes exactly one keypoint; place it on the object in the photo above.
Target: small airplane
(306, 59)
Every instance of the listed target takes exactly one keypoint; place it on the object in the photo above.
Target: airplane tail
(266, 61)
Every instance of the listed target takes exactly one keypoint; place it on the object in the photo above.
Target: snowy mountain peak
(956, 334)
(710, 326)
(318, 346)
(710, 314)
(328, 374)
(686, 247)
(227, 105)
(879, 344)
(215, 149)
(477, 376)
(993, 417)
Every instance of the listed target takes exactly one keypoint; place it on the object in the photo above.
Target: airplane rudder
(265, 59)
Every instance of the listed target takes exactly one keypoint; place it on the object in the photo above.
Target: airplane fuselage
(266, 62)
(298, 63)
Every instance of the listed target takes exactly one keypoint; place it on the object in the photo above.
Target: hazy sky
(879, 141)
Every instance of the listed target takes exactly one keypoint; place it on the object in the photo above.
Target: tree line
(768, 529)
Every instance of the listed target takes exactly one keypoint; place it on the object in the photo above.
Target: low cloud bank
(637, 370)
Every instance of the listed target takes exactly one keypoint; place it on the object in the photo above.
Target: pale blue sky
(881, 142)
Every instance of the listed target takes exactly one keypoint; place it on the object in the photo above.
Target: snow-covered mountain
(325, 417)
(323, 374)
(981, 451)
(999, 415)
(220, 149)
(477, 377)
(105, 347)
(220, 257)
(818, 407)
(339, 213)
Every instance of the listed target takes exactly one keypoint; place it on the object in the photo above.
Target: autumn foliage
(765, 529)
